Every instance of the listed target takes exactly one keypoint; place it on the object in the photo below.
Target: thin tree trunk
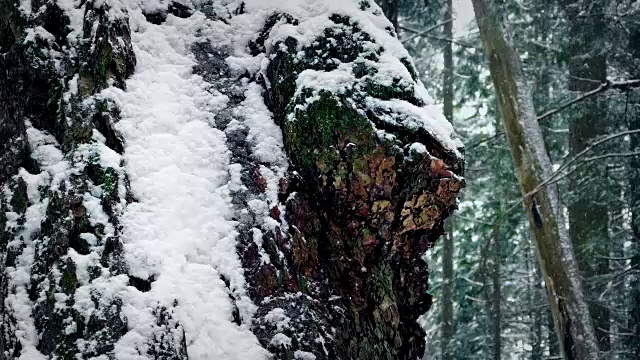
(447, 261)
(552, 337)
(535, 309)
(390, 10)
(634, 204)
(588, 213)
(447, 291)
(573, 323)
(618, 288)
(485, 321)
(496, 295)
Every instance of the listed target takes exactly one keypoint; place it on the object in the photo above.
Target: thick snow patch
(179, 231)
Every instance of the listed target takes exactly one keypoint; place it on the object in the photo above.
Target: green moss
(360, 69)
(382, 282)
(103, 65)
(398, 89)
(344, 43)
(107, 57)
(303, 284)
(19, 201)
(282, 73)
(54, 318)
(80, 131)
(271, 248)
(318, 133)
(109, 183)
(68, 280)
(99, 230)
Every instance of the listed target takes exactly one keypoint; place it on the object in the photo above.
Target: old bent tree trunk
(215, 180)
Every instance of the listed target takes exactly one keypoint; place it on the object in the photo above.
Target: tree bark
(496, 294)
(588, 213)
(554, 251)
(536, 312)
(633, 341)
(447, 291)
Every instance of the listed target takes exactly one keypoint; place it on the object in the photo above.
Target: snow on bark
(201, 179)
(179, 234)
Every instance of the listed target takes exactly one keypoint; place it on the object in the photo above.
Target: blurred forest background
(580, 59)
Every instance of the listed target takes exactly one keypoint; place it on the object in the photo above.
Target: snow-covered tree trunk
(554, 249)
(215, 180)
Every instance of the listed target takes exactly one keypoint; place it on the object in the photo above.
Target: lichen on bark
(361, 207)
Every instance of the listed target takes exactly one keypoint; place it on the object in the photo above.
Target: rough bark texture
(363, 212)
(357, 209)
(35, 69)
(555, 254)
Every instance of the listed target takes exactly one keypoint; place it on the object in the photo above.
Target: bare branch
(424, 32)
(485, 140)
(553, 178)
(453, 41)
(472, 220)
(620, 85)
(604, 156)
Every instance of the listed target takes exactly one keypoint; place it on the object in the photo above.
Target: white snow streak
(179, 230)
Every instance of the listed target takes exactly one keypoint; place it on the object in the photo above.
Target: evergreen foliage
(545, 34)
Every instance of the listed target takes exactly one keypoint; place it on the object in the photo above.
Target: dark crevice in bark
(143, 285)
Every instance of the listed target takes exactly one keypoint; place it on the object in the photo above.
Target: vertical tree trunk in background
(447, 254)
(496, 315)
(617, 221)
(484, 321)
(634, 203)
(553, 247)
(588, 213)
(447, 290)
(535, 308)
(390, 9)
(552, 337)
